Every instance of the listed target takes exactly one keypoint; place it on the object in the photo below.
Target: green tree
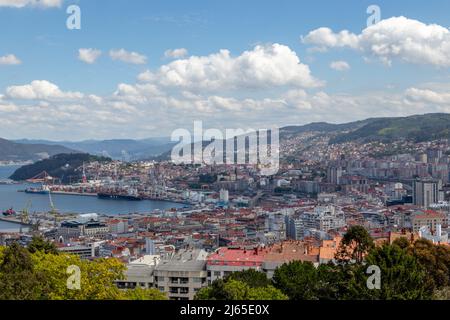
(238, 290)
(402, 277)
(143, 294)
(251, 277)
(38, 243)
(355, 244)
(402, 242)
(298, 280)
(18, 281)
(436, 261)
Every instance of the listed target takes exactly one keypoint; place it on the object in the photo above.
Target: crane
(25, 213)
(53, 210)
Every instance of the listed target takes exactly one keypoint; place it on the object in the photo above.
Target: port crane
(53, 210)
(25, 213)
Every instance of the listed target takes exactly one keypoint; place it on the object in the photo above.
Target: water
(11, 198)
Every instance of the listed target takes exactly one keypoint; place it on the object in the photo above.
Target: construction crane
(25, 213)
(53, 210)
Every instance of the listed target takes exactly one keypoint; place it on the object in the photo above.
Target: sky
(140, 68)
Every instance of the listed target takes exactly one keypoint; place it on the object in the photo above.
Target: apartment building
(182, 275)
(140, 273)
(228, 260)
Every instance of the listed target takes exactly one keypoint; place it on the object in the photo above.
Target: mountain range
(119, 149)
(417, 128)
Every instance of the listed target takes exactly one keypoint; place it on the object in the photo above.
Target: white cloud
(262, 67)
(176, 53)
(31, 3)
(9, 59)
(89, 55)
(395, 38)
(143, 109)
(128, 57)
(339, 65)
(40, 89)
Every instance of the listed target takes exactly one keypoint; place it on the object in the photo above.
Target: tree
(402, 277)
(238, 290)
(143, 294)
(402, 242)
(435, 259)
(297, 279)
(38, 243)
(355, 244)
(251, 277)
(18, 281)
(97, 278)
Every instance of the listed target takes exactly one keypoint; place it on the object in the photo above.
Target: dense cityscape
(221, 159)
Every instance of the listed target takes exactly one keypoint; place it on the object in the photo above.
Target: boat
(41, 190)
(104, 195)
(9, 212)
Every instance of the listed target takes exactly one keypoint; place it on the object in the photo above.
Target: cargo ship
(131, 195)
(40, 190)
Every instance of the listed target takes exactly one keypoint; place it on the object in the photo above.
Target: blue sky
(37, 36)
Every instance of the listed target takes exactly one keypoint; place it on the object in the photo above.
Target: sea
(10, 197)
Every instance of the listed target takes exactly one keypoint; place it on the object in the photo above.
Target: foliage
(435, 259)
(297, 279)
(252, 278)
(238, 290)
(355, 244)
(402, 277)
(44, 276)
(143, 294)
(38, 243)
(17, 277)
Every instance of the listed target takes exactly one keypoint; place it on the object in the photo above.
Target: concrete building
(428, 218)
(182, 275)
(84, 252)
(427, 192)
(139, 273)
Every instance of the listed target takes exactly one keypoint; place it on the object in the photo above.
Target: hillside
(13, 151)
(127, 149)
(417, 128)
(62, 166)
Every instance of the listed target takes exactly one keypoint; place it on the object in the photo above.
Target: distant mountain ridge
(121, 149)
(13, 151)
(417, 128)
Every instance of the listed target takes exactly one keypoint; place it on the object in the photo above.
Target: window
(217, 273)
(184, 290)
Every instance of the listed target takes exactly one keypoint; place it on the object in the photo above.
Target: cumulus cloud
(40, 89)
(339, 65)
(144, 109)
(89, 55)
(264, 66)
(128, 57)
(9, 59)
(176, 53)
(395, 38)
(31, 3)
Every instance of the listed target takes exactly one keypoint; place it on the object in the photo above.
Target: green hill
(417, 128)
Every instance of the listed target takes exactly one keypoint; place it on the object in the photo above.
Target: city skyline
(228, 65)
